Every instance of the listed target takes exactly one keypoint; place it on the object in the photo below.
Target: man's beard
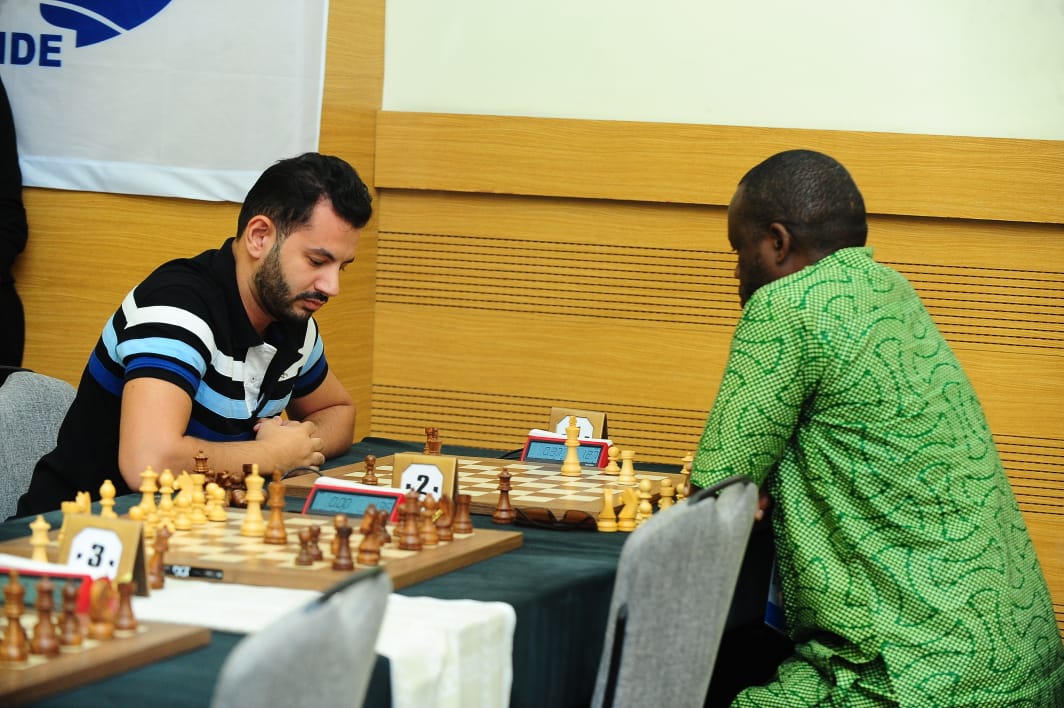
(275, 295)
(751, 277)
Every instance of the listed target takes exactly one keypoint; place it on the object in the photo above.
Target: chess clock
(549, 448)
(329, 497)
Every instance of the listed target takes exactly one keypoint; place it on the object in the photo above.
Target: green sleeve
(772, 367)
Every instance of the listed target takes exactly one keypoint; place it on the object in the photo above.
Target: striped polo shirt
(186, 324)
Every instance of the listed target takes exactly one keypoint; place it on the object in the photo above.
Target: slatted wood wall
(526, 263)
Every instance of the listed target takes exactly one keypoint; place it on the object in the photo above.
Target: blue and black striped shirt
(184, 324)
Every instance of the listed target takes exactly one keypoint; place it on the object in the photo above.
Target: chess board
(217, 551)
(40, 677)
(534, 485)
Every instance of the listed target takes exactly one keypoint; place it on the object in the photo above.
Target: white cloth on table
(443, 653)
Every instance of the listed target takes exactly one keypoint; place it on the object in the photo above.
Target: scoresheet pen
(191, 571)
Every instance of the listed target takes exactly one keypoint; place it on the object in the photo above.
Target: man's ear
(259, 235)
(781, 241)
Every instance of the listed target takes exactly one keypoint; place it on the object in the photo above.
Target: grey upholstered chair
(32, 406)
(319, 655)
(675, 580)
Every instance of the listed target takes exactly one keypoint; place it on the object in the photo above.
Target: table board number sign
(426, 474)
(99, 546)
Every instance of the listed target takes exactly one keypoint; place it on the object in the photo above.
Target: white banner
(177, 98)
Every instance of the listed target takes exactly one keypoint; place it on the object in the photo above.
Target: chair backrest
(32, 406)
(675, 580)
(319, 655)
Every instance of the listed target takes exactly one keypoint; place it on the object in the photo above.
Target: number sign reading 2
(423, 479)
(425, 474)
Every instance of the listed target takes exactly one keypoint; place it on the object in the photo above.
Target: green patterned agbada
(907, 571)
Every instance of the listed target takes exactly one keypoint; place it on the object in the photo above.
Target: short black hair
(288, 191)
(811, 194)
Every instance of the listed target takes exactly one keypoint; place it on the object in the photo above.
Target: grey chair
(32, 406)
(675, 580)
(319, 655)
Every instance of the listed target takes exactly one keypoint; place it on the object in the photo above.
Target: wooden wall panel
(921, 175)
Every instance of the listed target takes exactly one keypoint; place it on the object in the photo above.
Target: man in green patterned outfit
(908, 576)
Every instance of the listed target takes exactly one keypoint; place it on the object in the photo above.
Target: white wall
(955, 67)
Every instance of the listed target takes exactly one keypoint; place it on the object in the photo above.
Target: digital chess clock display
(334, 498)
(554, 451)
(331, 501)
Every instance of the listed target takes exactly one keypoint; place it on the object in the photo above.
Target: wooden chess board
(40, 677)
(220, 549)
(534, 485)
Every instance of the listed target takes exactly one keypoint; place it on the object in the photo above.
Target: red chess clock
(329, 497)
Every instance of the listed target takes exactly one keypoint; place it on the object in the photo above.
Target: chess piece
(370, 476)
(445, 519)
(369, 520)
(314, 548)
(182, 522)
(369, 550)
(101, 609)
(684, 490)
(571, 463)
(275, 531)
(200, 464)
(156, 571)
(166, 499)
(342, 560)
(463, 521)
(429, 535)
(45, 641)
(146, 510)
(198, 510)
(216, 509)
(107, 500)
(254, 524)
(68, 508)
(39, 539)
(14, 647)
(382, 528)
(627, 475)
(338, 521)
(645, 509)
(125, 622)
(237, 493)
(84, 502)
(626, 519)
(607, 518)
(612, 453)
(432, 441)
(69, 625)
(409, 531)
(147, 490)
(504, 511)
(304, 557)
(666, 494)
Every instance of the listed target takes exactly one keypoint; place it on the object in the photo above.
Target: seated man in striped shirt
(208, 352)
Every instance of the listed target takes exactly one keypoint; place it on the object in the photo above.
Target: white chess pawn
(627, 467)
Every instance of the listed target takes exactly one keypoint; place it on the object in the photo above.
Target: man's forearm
(221, 456)
(336, 428)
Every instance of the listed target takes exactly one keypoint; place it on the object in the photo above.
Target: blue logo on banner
(98, 20)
